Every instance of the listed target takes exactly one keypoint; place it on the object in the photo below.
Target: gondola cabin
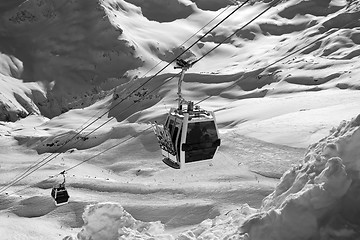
(189, 135)
(60, 194)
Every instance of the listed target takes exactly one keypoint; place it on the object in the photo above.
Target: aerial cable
(152, 77)
(249, 75)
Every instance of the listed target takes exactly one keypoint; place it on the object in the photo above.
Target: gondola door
(182, 139)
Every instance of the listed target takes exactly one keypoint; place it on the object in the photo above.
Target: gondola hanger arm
(184, 65)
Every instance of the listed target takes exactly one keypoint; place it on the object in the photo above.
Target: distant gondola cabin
(60, 195)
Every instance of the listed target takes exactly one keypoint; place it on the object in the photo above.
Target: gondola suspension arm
(184, 65)
(63, 174)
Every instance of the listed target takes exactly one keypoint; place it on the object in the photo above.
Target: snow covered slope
(277, 86)
(318, 199)
(74, 52)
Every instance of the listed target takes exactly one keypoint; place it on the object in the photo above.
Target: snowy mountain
(81, 79)
(69, 54)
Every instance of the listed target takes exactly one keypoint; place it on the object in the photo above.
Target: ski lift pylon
(190, 134)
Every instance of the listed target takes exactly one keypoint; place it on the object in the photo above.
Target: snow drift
(317, 199)
(111, 221)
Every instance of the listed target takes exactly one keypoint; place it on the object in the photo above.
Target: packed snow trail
(267, 159)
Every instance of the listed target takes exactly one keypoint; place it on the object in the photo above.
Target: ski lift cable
(273, 62)
(300, 49)
(44, 163)
(39, 162)
(3, 189)
(113, 117)
(279, 60)
(188, 39)
(151, 78)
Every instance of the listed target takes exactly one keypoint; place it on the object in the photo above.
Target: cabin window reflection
(171, 125)
(201, 132)
(200, 140)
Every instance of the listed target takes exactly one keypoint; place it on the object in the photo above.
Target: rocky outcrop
(70, 47)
